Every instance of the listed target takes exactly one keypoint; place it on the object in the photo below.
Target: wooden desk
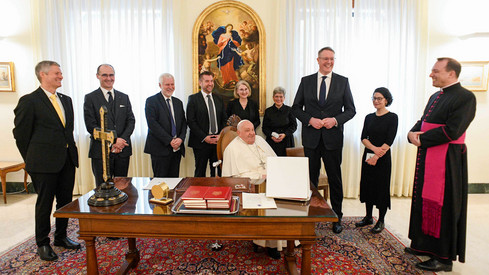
(6, 167)
(135, 219)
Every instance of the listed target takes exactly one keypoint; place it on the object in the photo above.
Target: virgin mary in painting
(229, 61)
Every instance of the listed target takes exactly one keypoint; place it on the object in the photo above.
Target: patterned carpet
(354, 251)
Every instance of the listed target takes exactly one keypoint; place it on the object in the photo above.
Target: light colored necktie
(57, 108)
(173, 126)
(212, 115)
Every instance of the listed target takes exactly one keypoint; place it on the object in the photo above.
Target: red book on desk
(218, 197)
(194, 197)
(218, 193)
(195, 193)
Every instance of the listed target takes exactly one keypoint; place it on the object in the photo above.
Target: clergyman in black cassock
(438, 223)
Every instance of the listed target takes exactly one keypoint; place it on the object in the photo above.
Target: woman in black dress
(379, 131)
(242, 106)
(279, 123)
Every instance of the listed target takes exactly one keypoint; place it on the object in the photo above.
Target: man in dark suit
(324, 103)
(166, 129)
(205, 124)
(119, 118)
(44, 136)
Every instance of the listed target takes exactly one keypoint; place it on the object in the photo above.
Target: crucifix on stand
(106, 194)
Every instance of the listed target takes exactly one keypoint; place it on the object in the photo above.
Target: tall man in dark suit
(44, 135)
(324, 103)
(205, 124)
(166, 129)
(119, 118)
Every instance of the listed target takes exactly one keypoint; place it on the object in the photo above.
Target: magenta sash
(434, 182)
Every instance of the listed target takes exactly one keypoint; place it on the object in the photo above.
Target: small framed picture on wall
(474, 75)
(7, 81)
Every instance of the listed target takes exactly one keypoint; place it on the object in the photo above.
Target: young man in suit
(44, 136)
(166, 129)
(205, 124)
(119, 118)
(324, 103)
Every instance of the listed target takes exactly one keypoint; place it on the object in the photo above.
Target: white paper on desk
(257, 201)
(171, 182)
(288, 177)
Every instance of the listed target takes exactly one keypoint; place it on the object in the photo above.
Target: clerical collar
(456, 82)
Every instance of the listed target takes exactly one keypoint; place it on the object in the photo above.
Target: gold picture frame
(474, 75)
(7, 79)
(240, 57)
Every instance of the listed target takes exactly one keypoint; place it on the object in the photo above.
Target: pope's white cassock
(249, 160)
(246, 160)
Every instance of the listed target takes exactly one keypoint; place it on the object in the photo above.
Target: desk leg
(132, 257)
(25, 181)
(92, 265)
(4, 187)
(306, 257)
(289, 258)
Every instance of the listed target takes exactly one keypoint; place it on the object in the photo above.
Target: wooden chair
(227, 135)
(6, 167)
(323, 179)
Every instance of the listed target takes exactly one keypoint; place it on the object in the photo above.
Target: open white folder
(288, 178)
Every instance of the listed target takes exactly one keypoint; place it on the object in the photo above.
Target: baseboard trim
(478, 188)
(14, 187)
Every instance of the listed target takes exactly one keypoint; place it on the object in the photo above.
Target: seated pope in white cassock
(246, 156)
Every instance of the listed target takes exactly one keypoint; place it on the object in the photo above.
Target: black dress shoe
(67, 243)
(273, 253)
(365, 221)
(411, 251)
(434, 265)
(337, 227)
(379, 226)
(46, 253)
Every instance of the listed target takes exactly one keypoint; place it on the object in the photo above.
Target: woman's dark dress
(280, 121)
(250, 112)
(375, 181)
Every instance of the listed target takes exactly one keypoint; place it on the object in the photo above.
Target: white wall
(15, 46)
(448, 20)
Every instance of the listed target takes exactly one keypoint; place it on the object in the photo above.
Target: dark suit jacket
(40, 135)
(123, 120)
(339, 104)
(159, 125)
(198, 118)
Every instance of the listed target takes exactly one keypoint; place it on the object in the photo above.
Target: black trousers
(204, 155)
(166, 167)
(118, 167)
(49, 186)
(332, 164)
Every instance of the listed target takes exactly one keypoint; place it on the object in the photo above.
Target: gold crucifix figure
(106, 194)
(107, 138)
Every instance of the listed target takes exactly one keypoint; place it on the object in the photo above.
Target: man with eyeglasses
(324, 103)
(120, 118)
